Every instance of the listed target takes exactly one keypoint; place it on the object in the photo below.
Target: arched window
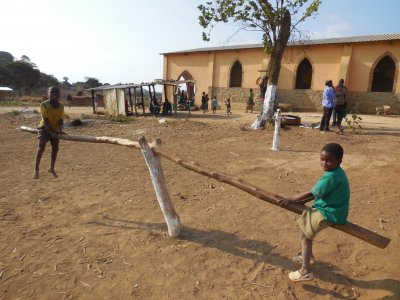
(383, 79)
(236, 75)
(304, 75)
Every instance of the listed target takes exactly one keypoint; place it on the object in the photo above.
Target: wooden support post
(275, 141)
(130, 97)
(165, 93)
(175, 99)
(141, 93)
(93, 102)
(134, 97)
(151, 99)
(157, 177)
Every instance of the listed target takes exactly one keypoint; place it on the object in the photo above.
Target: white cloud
(334, 27)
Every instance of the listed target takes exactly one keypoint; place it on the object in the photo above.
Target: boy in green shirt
(331, 206)
(50, 127)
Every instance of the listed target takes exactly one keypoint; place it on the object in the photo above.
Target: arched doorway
(304, 75)
(383, 76)
(190, 89)
(236, 75)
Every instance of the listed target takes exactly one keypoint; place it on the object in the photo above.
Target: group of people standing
(204, 103)
(333, 103)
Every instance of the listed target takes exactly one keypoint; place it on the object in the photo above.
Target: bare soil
(96, 231)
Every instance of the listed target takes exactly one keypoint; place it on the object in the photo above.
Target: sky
(120, 41)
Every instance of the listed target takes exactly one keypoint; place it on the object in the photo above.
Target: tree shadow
(261, 251)
(209, 115)
(380, 131)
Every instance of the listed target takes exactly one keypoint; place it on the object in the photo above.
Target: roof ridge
(333, 40)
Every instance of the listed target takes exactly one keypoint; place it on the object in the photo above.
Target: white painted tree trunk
(268, 108)
(157, 177)
(275, 142)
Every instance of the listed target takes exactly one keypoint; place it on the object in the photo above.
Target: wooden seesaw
(152, 153)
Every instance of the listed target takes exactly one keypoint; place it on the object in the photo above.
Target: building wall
(365, 57)
(352, 62)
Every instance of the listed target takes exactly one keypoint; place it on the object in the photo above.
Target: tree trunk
(274, 68)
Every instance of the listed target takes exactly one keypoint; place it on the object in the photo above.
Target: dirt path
(96, 232)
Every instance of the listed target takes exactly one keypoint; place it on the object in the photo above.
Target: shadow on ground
(260, 251)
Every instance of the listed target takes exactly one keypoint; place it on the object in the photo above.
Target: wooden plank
(350, 228)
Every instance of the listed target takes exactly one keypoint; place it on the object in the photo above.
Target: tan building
(368, 64)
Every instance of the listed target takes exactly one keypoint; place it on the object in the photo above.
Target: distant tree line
(25, 77)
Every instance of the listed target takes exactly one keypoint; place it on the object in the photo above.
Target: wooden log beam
(153, 163)
(350, 228)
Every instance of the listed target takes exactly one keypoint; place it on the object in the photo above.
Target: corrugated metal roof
(340, 40)
(133, 85)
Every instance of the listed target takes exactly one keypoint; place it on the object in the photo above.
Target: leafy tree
(25, 59)
(91, 82)
(6, 58)
(46, 80)
(66, 83)
(23, 75)
(5, 76)
(277, 20)
(28, 61)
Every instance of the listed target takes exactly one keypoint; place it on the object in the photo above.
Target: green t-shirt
(332, 194)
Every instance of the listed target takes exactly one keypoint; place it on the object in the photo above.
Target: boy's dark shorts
(44, 136)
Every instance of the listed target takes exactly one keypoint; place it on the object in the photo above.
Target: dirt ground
(96, 231)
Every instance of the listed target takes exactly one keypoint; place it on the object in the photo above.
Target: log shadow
(344, 287)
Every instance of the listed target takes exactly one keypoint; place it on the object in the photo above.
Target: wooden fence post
(157, 177)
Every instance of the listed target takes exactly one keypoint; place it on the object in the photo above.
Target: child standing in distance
(250, 102)
(214, 104)
(228, 106)
(50, 127)
(331, 206)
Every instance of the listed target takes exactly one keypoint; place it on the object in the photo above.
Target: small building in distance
(368, 64)
(5, 93)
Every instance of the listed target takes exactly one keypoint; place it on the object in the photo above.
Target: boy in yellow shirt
(50, 127)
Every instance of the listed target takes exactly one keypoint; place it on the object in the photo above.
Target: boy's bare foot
(52, 172)
(35, 175)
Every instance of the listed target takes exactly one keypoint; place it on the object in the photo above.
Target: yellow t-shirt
(54, 115)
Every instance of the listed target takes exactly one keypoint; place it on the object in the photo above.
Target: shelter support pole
(175, 99)
(165, 93)
(93, 102)
(134, 97)
(141, 93)
(350, 228)
(153, 163)
(151, 98)
(130, 97)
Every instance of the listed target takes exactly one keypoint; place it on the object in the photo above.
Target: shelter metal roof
(4, 88)
(339, 40)
(133, 85)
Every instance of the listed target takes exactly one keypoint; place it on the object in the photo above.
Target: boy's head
(331, 156)
(54, 93)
